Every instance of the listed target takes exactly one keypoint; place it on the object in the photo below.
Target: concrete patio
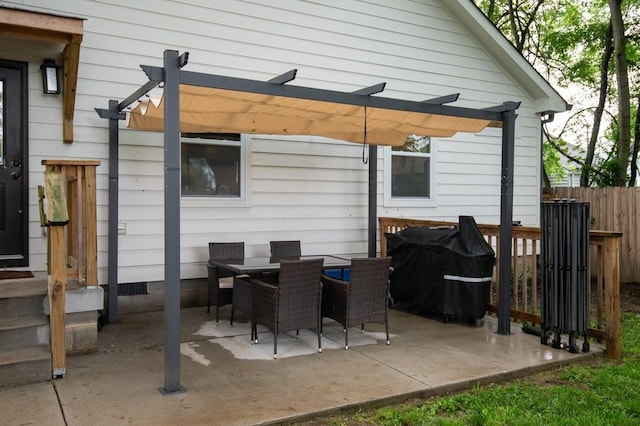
(230, 382)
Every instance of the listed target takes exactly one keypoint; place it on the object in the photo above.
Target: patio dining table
(257, 265)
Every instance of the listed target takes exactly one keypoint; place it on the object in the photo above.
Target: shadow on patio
(229, 381)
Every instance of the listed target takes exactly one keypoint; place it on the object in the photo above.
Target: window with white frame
(411, 169)
(211, 165)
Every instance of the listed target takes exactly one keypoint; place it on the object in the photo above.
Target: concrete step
(22, 297)
(23, 332)
(24, 287)
(26, 306)
(24, 366)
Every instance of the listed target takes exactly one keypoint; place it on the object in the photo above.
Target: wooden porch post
(57, 218)
(612, 295)
(57, 289)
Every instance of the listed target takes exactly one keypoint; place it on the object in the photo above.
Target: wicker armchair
(365, 299)
(285, 248)
(291, 304)
(220, 282)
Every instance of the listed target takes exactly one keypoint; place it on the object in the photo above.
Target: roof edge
(544, 96)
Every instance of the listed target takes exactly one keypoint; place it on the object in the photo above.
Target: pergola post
(506, 221)
(373, 200)
(112, 272)
(171, 223)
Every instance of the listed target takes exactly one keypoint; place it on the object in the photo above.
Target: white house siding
(302, 188)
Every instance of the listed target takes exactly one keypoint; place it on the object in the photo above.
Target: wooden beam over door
(54, 29)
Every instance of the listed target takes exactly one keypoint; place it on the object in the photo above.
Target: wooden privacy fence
(525, 286)
(614, 209)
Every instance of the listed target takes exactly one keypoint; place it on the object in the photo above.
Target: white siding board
(309, 198)
(341, 175)
(311, 189)
(301, 161)
(327, 187)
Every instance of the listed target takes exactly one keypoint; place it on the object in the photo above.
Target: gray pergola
(172, 75)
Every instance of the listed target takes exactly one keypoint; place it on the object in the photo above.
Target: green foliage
(607, 172)
(565, 41)
(551, 159)
(576, 395)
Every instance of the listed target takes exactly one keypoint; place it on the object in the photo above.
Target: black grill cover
(442, 270)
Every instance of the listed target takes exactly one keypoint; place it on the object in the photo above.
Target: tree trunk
(624, 99)
(597, 114)
(636, 146)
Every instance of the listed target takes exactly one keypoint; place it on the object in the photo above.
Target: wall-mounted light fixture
(50, 77)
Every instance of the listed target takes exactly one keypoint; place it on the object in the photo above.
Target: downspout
(549, 119)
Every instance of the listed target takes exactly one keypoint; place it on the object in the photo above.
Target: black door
(14, 249)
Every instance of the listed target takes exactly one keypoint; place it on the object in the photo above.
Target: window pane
(415, 143)
(210, 170)
(410, 176)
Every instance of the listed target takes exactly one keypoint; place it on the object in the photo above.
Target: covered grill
(442, 270)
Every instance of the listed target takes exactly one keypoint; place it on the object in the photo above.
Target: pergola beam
(310, 93)
(142, 90)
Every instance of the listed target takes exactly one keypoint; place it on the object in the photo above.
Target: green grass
(603, 392)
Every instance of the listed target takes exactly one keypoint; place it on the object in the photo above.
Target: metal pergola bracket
(153, 73)
(183, 60)
(284, 78)
(503, 107)
(371, 90)
(108, 114)
(447, 99)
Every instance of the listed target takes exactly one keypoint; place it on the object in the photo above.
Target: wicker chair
(291, 304)
(285, 248)
(220, 282)
(242, 298)
(365, 299)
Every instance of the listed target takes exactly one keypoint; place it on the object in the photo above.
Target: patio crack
(397, 370)
(64, 418)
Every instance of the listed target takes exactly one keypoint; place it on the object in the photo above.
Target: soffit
(64, 30)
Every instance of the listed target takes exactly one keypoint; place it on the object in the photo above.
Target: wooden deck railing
(526, 291)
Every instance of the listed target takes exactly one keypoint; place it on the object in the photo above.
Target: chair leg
(231, 319)
(346, 338)
(320, 334)
(275, 346)
(386, 326)
(217, 313)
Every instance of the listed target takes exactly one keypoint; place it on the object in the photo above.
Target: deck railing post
(612, 295)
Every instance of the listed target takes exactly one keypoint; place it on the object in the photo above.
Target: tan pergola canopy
(214, 110)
